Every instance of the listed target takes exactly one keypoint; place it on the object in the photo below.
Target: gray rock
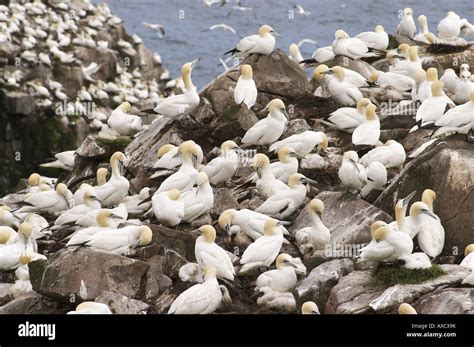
(32, 303)
(121, 304)
(156, 281)
(17, 103)
(60, 277)
(318, 284)
(5, 296)
(447, 301)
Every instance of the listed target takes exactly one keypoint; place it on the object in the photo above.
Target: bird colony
(234, 198)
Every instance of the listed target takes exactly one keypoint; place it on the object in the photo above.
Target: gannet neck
(362, 104)
(400, 212)
(428, 197)
(413, 53)
(370, 112)
(188, 83)
(114, 167)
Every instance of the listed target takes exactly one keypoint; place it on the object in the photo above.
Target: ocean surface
(185, 22)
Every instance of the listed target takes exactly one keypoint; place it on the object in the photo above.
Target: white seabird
(316, 236)
(377, 39)
(389, 246)
(303, 143)
(199, 200)
(168, 207)
(343, 92)
(376, 178)
(282, 279)
(245, 90)
(351, 173)
(391, 154)
(368, 133)
(407, 25)
(222, 168)
(116, 188)
(263, 43)
(124, 123)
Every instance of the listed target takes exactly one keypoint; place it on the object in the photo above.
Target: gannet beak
(407, 199)
(328, 72)
(299, 156)
(283, 223)
(285, 113)
(194, 160)
(259, 172)
(308, 180)
(114, 216)
(227, 229)
(429, 213)
(93, 197)
(195, 61)
(274, 33)
(355, 164)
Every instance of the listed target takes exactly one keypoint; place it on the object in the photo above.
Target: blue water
(185, 39)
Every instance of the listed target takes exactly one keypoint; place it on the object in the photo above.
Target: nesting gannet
(391, 154)
(316, 236)
(120, 241)
(368, 133)
(463, 88)
(377, 39)
(409, 67)
(104, 219)
(269, 129)
(398, 82)
(468, 260)
(389, 246)
(116, 188)
(420, 79)
(266, 182)
(133, 202)
(287, 164)
(376, 178)
(119, 213)
(222, 168)
(263, 43)
(309, 307)
(7, 236)
(183, 104)
(168, 207)
(184, 178)
(450, 26)
(199, 200)
(343, 92)
(295, 54)
(303, 143)
(6, 217)
(432, 108)
(424, 91)
(406, 309)
(263, 251)
(209, 254)
(245, 90)
(407, 25)
(278, 301)
(402, 222)
(351, 173)
(283, 279)
(202, 298)
(249, 222)
(450, 80)
(423, 23)
(285, 202)
(89, 307)
(458, 119)
(191, 272)
(168, 160)
(22, 283)
(124, 123)
(418, 260)
(50, 201)
(349, 118)
(353, 48)
(39, 225)
(90, 202)
(64, 160)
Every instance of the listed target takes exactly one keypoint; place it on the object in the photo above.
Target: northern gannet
(407, 25)
(295, 54)
(424, 91)
(269, 129)
(202, 298)
(376, 178)
(168, 160)
(160, 31)
(396, 81)
(168, 207)
(6, 217)
(245, 90)
(468, 260)
(309, 307)
(249, 222)
(89, 307)
(184, 178)
(409, 67)
(343, 92)
(459, 119)
(285, 202)
(116, 188)
(222, 168)
(423, 23)
(191, 272)
(104, 219)
(263, 251)
(210, 254)
(450, 80)
(287, 164)
(368, 133)
(132, 202)
(391, 154)
(64, 161)
(377, 39)
(418, 260)
(463, 88)
(263, 43)
(349, 118)
(353, 48)
(406, 309)
(351, 173)
(119, 213)
(183, 104)
(316, 236)
(450, 26)
(50, 201)
(282, 279)
(389, 246)
(39, 225)
(120, 241)
(222, 26)
(90, 202)
(267, 184)
(303, 143)
(432, 108)
(124, 123)
(199, 200)
(401, 222)
(7, 236)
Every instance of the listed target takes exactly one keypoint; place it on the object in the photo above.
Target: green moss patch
(392, 275)
(114, 145)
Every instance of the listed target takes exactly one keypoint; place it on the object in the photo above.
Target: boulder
(319, 282)
(4, 293)
(106, 59)
(156, 281)
(61, 276)
(32, 303)
(121, 304)
(70, 77)
(17, 103)
(448, 300)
